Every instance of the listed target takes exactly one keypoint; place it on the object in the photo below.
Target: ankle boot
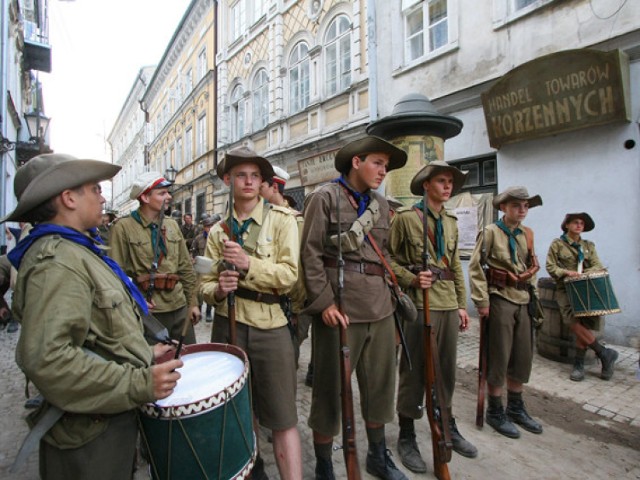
(379, 463)
(324, 469)
(608, 357)
(308, 379)
(500, 423)
(518, 414)
(577, 374)
(460, 445)
(409, 453)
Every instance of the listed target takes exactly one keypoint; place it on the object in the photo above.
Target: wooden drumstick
(183, 334)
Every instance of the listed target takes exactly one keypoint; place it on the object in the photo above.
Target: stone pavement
(554, 454)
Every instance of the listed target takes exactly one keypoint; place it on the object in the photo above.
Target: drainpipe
(4, 33)
(372, 50)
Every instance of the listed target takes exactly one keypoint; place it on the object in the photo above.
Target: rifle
(348, 422)
(231, 297)
(482, 357)
(438, 416)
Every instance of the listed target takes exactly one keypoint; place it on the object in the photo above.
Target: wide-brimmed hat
(589, 224)
(393, 202)
(146, 182)
(369, 144)
(45, 176)
(241, 155)
(516, 193)
(434, 168)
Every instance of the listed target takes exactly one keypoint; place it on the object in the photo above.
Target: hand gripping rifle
(434, 395)
(231, 297)
(348, 422)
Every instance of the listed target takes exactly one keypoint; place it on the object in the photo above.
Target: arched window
(238, 113)
(299, 78)
(338, 55)
(260, 100)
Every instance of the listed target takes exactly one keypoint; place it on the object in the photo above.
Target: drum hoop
(597, 313)
(209, 403)
(586, 276)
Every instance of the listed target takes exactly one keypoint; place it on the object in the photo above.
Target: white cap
(281, 175)
(146, 182)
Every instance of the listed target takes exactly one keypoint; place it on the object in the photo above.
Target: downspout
(215, 85)
(4, 33)
(372, 50)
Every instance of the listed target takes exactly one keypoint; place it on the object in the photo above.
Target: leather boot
(518, 414)
(258, 472)
(379, 463)
(324, 469)
(500, 423)
(577, 374)
(308, 379)
(409, 453)
(460, 445)
(608, 357)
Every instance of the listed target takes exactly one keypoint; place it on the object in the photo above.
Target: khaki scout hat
(45, 176)
(394, 203)
(241, 155)
(369, 144)
(146, 182)
(516, 193)
(589, 224)
(434, 168)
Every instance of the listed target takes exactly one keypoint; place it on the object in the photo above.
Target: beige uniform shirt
(273, 267)
(562, 258)
(405, 247)
(496, 245)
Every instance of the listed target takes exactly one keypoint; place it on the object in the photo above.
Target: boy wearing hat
(570, 256)
(447, 300)
(151, 250)
(82, 340)
(368, 307)
(260, 242)
(501, 294)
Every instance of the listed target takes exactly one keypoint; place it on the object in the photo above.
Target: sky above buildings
(97, 49)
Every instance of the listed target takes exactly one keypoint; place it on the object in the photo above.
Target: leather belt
(365, 268)
(267, 298)
(502, 278)
(438, 273)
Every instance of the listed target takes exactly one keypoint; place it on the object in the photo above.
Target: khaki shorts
(273, 371)
(372, 355)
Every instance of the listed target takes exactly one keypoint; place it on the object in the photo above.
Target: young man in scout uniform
(151, 249)
(261, 244)
(570, 256)
(502, 294)
(447, 300)
(82, 342)
(368, 308)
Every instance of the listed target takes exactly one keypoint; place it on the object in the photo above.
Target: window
(299, 77)
(260, 100)
(200, 205)
(188, 82)
(259, 9)
(482, 177)
(188, 145)
(520, 4)
(237, 113)
(179, 153)
(202, 63)
(238, 19)
(426, 27)
(201, 136)
(187, 206)
(338, 55)
(506, 11)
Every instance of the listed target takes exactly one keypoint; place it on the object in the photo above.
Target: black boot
(518, 414)
(308, 380)
(409, 452)
(324, 469)
(379, 463)
(498, 419)
(460, 445)
(608, 357)
(577, 374)
(258, 472)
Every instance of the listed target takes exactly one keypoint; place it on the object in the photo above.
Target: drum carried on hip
(591, 294)
(204, 429)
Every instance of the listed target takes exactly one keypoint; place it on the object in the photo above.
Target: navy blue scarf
(362, 199)
(43, 229)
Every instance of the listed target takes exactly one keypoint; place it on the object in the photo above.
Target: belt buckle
(258, 296)
(363, 268)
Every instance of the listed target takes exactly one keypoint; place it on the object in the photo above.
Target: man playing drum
(82, 341)
(501, 294)
(256, 258)
(570, 256)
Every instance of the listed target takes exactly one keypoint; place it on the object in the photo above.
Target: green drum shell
(187, 442)
(591, 294)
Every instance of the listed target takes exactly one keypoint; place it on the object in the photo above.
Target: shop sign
(318, 169)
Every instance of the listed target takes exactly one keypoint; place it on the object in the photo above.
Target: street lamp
(37, 124)
(170, 176)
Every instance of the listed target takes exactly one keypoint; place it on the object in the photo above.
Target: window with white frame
(299, 78)
(520, 4)
(188, 145)
(188, 82)
(259, 9)
(179, 153)
(202, 63)
(238, 19)
(505, 11)
(238, 113)
(426, 27)
(338, 55)
(201, 135)
(260, 100)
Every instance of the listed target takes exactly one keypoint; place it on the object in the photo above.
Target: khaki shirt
(366, 298)
(562, 258)
(67, 298)
(273, 266)
(405, 247)
(496, 245)
(131, 247)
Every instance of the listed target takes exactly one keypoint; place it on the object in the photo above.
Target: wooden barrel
(554, 340)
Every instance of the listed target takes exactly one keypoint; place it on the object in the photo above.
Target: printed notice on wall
(467, 226)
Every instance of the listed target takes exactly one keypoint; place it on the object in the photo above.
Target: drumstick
(183, 334)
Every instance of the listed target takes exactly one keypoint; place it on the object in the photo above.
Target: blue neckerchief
(154, 233)
(439, 234)
(575, 245)
(361, 198)
(512, 239)
(43, 229)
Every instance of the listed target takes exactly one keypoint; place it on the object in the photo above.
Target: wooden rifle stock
(482, 371)
(434, 398)
(231, 297)
(349, 449)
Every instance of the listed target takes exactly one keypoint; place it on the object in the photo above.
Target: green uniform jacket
(405, 247)
(131, 247)
(562, 257)
(496, 245)
(67, 298)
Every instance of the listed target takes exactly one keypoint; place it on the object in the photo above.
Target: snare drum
(204, 429)
(591, 294)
